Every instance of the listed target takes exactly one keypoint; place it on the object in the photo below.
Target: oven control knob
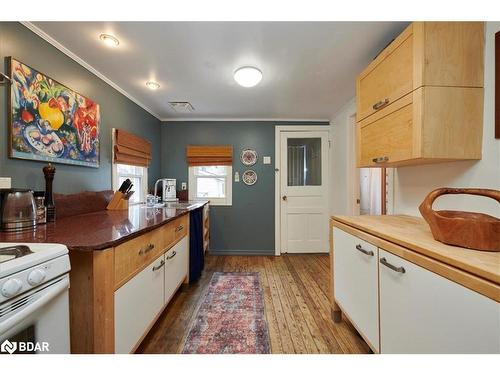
(36, 277)
(11, 287)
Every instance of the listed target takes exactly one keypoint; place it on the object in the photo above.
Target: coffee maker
(168, 190)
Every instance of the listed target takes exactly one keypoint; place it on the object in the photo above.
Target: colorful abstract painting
(50, 122)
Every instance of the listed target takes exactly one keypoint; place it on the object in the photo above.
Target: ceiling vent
(181, 107)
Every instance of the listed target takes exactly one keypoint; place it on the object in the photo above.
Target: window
(212, 182)
(138, 176)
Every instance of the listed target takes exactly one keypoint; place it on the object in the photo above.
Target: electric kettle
(17, 210)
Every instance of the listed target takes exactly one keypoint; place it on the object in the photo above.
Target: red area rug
(230, 318)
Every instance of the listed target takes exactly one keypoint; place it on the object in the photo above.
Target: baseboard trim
(241, 252)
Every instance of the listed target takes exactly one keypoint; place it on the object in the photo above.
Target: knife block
(118, 202)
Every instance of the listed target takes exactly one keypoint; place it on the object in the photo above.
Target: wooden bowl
(466, 229)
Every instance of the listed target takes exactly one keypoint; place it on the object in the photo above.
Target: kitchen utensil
(17, 209)
(128, 195)
(466, 229)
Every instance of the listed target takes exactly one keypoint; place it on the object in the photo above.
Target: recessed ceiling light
(248, 76)
(109, 40)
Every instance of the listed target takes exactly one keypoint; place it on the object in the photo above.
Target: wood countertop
(101, 229)
(414, 234)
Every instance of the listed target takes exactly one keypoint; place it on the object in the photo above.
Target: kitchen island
(125, 267)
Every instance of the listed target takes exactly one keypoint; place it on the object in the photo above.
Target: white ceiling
(309, 68)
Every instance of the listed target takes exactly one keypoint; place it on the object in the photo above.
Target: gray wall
(116, 111)
(246, 227)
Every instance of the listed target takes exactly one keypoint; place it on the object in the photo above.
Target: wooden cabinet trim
(475, 283)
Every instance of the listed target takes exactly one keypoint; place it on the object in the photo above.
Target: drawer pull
(179, 228)
(146, 249)
(367, 252)
(381, 159)
(381, 104)
(156, 268)
(174, 253)
(392, 267)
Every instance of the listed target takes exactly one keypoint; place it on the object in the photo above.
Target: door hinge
(329, 144)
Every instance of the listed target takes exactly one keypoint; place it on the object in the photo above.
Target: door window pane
(304, 161)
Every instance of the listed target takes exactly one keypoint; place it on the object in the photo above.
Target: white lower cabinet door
(356, 283)
(137, 303)
(422, 312)
(176, 266)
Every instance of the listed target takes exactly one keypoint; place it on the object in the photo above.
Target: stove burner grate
(13, 252)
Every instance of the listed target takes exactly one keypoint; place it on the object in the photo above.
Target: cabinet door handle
(381, 159)
(392, 267)
(380, 104)
(364, 251)
(174, 253)
(146, 249)
(156, 268)
(179, 228)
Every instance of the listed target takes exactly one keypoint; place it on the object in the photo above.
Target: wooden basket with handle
(466, 229)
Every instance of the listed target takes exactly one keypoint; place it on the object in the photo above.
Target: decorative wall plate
(249, 157)
(249, 177)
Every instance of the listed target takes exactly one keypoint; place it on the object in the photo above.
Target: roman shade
(131, 149)
(209, 155)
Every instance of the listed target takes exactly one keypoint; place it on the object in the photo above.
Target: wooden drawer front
(137, 303)
(389, 138)
(180, 227)
(132, 256)
(356, 283)
(422, 312)
(388, 78)
(176, 267)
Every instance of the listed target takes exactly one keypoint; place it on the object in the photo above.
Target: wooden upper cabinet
(388, 78)
(421, 99)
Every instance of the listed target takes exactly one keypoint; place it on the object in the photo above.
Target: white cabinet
(356, 283)
(176, 267)
(137, 303)
(422, 312)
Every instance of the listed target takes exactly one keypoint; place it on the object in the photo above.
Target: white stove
(34, 308)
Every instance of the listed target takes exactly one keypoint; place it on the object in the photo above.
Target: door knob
(285, 197)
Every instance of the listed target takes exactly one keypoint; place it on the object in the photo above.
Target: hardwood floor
(296, 294)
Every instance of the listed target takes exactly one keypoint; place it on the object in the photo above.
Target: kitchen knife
(125, 186)
(128, 195)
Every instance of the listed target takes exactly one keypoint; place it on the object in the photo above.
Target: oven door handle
(47, 295)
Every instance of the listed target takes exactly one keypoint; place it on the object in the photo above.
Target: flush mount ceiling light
(248, 76)
(109, 40)
(152, 85)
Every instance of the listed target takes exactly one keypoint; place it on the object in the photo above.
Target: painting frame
(70, 136)
(497, 85)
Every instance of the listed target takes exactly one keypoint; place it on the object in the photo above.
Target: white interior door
(304, 191)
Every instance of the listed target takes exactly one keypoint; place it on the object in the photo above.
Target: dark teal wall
(116, 111)
(246, 227)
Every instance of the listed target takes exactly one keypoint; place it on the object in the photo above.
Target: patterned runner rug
(231, 317)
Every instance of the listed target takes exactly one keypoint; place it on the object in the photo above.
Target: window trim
(227, 201)
(144, 178)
